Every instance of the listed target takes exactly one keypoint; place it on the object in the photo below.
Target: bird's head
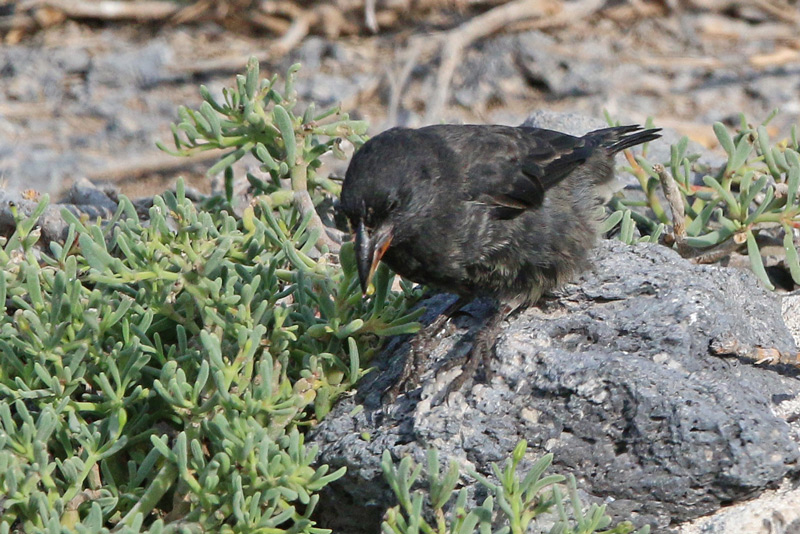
(372, 217)
(375, 197)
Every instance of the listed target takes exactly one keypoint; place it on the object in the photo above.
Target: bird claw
(482, 351)
(421, 347)
(424, 344)
(479, 357)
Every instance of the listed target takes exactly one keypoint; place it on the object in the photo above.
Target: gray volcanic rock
(614, 375)
(774, 512)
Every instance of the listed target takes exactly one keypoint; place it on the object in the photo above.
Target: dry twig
(730, 346)
(397, 81)
(456, 40)
(675, 201)
(716, 254)
(327, 18)
(297, 31)
(513, 16)
(569, 13)
(370, 18)
(192, 11)
(152, 10)
(783, 12)
(329, 236)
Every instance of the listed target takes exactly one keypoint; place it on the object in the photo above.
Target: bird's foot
(481, 353)
(480, 356)
(421, 347)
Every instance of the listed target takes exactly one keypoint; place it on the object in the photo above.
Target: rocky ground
(629, 377)
(88, 97)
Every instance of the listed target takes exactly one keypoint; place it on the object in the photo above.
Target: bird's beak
(369, 251)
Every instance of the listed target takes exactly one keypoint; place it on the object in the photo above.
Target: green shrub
(520, 498)
(159, 374)
(755, 193)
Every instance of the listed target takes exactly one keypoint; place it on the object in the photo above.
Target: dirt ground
(85, 94)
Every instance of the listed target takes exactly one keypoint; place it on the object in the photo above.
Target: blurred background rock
(88, 86)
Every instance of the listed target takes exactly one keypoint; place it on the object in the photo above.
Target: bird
(504, 212)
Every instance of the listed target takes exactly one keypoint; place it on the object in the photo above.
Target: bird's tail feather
(630, 136)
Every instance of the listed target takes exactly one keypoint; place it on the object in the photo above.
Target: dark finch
(496, 211)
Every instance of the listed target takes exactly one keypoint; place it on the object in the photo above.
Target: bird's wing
(513, 173)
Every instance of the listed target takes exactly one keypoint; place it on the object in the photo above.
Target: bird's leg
(421, 348)
(482, 349)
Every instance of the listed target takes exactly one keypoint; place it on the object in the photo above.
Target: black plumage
(496, 211)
